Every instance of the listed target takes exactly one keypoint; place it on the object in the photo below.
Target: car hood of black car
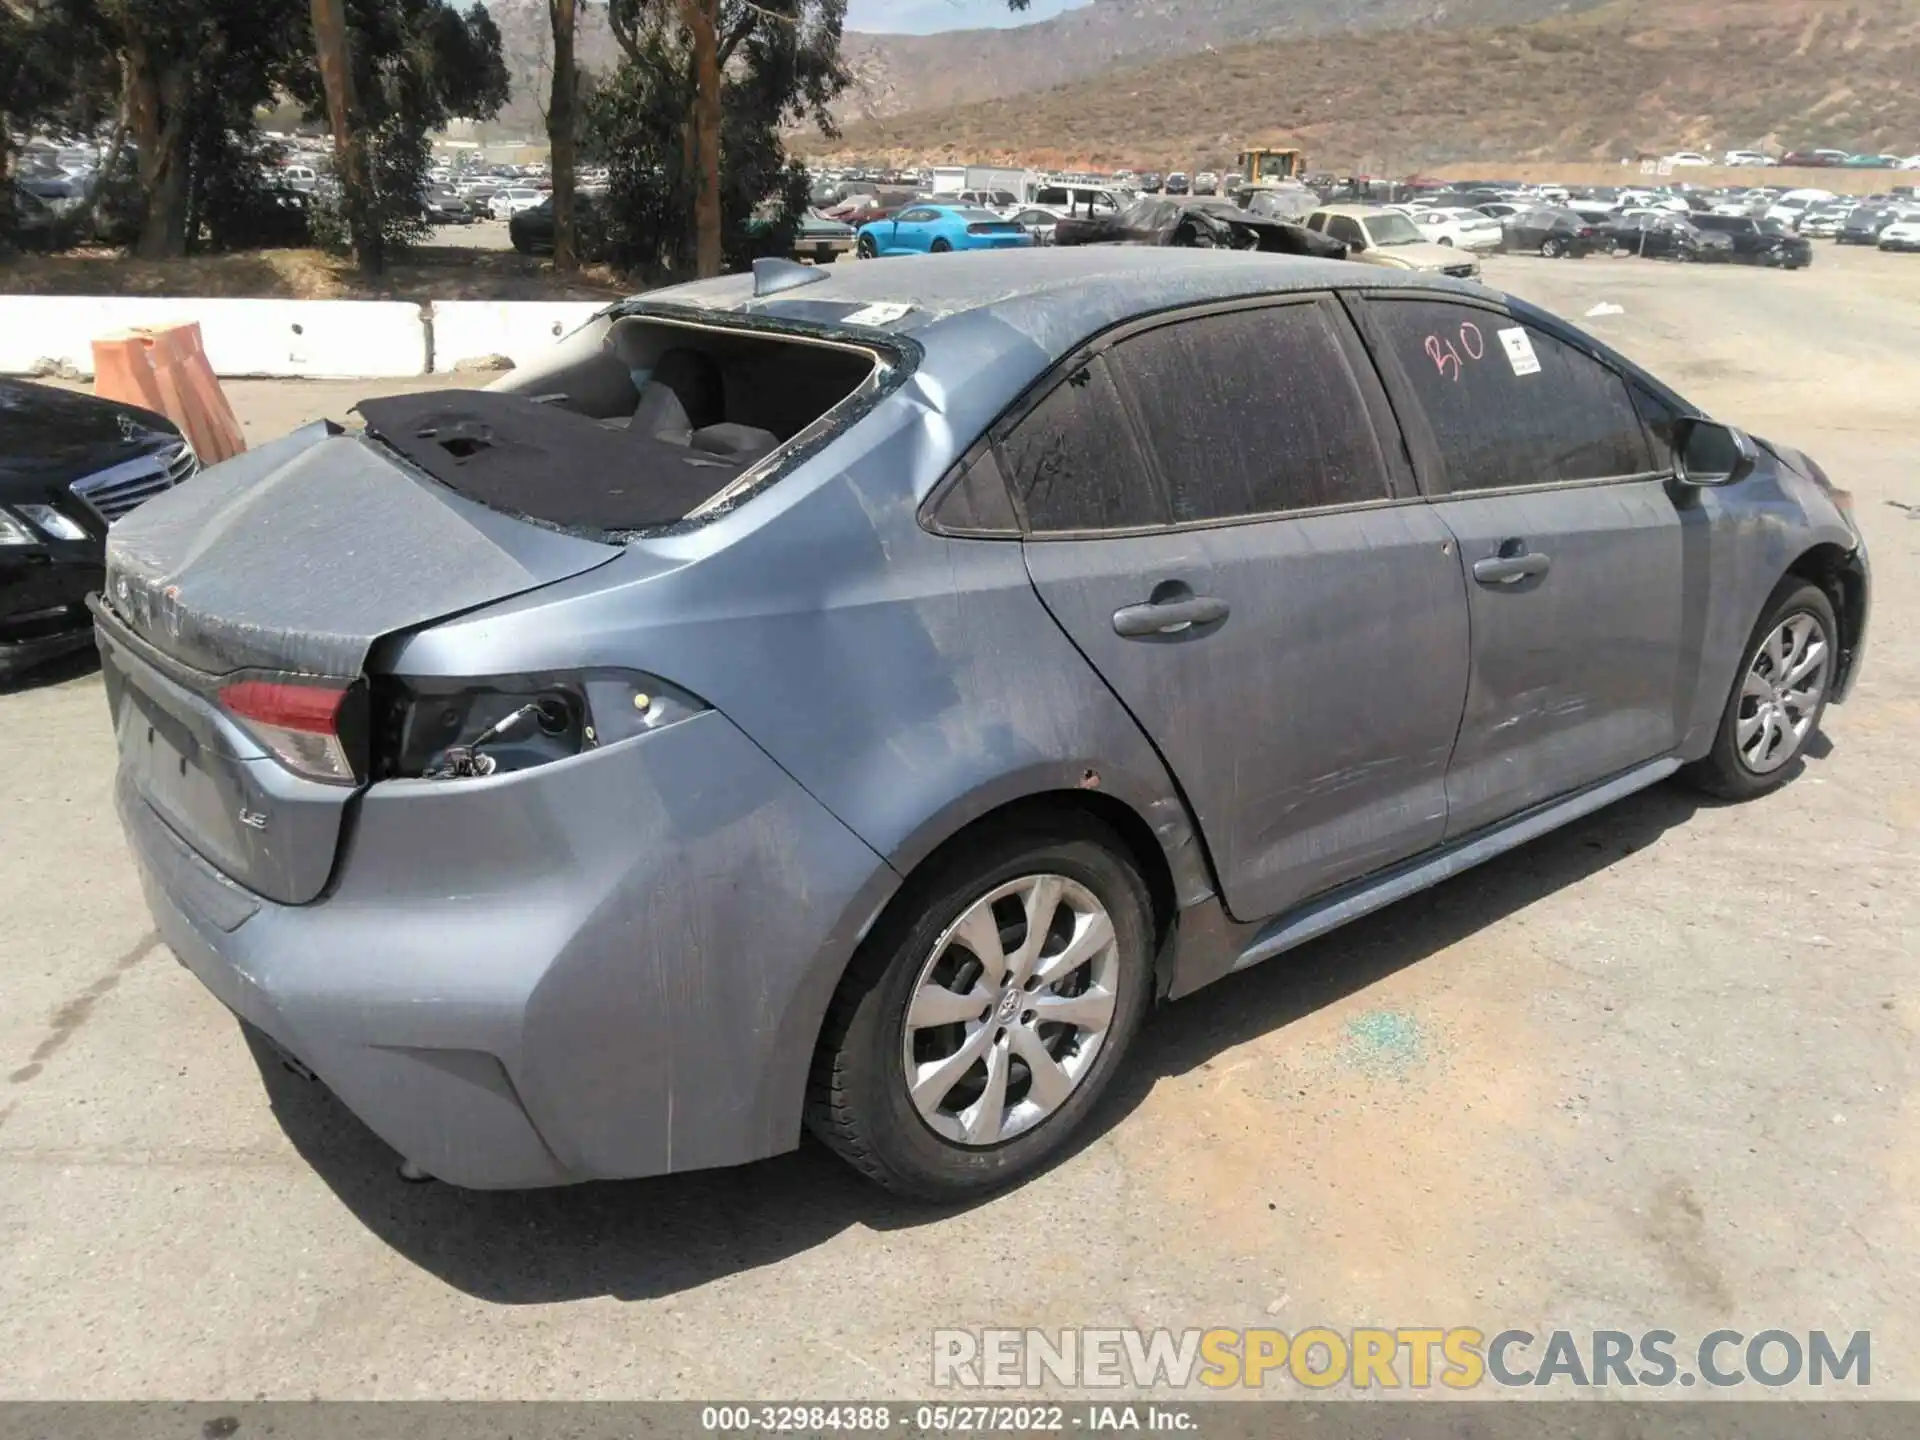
(55, 436)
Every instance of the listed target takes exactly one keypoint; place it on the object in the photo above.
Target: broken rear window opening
(636, 422)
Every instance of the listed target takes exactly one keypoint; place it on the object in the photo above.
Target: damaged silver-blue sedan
(852, 698)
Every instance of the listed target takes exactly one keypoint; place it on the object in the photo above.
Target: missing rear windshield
(634, 423)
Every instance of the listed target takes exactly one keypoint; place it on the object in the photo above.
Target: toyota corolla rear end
(535, 913)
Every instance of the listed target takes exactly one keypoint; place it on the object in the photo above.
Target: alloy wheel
(1781, 694)
(1010, 1009)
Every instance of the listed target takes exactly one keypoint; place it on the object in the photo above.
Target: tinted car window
(975, 502)
(1658, 417)
(1251, 413)
(1345, 228)
(1508, 404)
(1072, 463)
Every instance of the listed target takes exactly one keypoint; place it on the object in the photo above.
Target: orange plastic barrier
(164, 368)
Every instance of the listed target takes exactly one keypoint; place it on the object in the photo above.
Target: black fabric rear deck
(515, 454)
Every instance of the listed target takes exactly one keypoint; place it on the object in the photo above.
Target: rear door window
(1255, 412)
(1508, 404)
(1072, 462)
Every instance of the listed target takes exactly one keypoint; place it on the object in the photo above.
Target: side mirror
(1705, 452)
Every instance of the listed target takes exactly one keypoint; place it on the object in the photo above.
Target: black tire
(858, 1102)
(1724, 772)
(939, 247)
(1444, 240)
(1553, 247)
(1611, 246)
(866, 248)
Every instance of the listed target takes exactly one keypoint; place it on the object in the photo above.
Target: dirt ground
(460, 262)
(1656, 1070)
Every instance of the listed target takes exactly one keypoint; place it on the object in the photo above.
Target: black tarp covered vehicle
(1196, 224)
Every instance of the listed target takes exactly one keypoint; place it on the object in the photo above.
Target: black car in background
(1865, 222)
(447, 207)
(71, 464)
(1550, 231)
(1657, 237)
(531, 231)
(1761, 242)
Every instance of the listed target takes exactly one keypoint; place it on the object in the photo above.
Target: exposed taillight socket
(437, 728)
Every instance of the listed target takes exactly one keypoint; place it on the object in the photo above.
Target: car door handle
(1510, 569)
(1168, 617)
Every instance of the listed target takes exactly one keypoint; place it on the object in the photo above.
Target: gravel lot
(1657, 1070)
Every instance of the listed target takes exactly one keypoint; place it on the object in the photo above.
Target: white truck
(952, 179)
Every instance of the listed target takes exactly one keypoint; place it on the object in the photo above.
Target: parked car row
(1819, 159)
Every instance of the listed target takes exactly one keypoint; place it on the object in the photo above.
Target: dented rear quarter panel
(908, 683)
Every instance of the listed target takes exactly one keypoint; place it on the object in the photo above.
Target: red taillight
(298, 722)
(314, 708)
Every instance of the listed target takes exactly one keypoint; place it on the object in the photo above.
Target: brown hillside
(1632, 75)
(896, 73)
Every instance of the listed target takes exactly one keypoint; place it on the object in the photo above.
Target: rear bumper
(611, 966)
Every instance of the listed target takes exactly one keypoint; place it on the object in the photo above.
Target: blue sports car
(920, 229)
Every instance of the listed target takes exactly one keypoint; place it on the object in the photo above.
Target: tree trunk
(6, 185)
(156, 104)
(561, 126)
(349, 145)
(83, 214)
(704, 123)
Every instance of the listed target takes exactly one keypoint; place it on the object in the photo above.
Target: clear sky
(924, 17)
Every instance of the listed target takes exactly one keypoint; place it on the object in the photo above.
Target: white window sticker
(883, 313)
(1519, 348)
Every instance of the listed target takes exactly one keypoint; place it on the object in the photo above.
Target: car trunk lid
(284, 567)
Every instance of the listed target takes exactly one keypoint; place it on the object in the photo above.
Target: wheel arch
(1158, 836)
(1839, 573)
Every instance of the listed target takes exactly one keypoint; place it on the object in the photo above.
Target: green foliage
(204, 69)
(417, 64)
(785, 67)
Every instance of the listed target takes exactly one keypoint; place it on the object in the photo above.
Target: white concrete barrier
(317, 339)
(466, 332)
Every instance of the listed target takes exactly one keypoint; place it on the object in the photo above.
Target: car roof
(1056, 297)
(1358, 212)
